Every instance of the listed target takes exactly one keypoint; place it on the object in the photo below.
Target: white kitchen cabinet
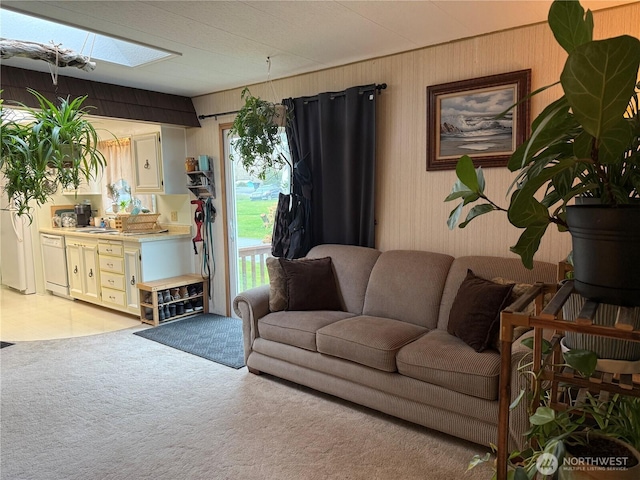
(106, 269)
(147, 161)
(168, 258)
(84, 277)
(159, 161)
(112, 278)
(132, 277)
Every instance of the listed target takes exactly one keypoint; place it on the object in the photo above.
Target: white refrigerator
(17, 268)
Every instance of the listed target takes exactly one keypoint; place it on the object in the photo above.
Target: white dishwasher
(54, 259)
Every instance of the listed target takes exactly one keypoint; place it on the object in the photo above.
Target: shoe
(160, 298)
(192, 291)
(167, 296)
(147, 298)
(197, 304)
(175, 293)
(172, 309)
(167, 312)
(184, 293)
(188, 307)
(161, 314)
(148, 313)
(180, 308)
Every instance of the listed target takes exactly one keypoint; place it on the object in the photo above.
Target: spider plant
(55, 146)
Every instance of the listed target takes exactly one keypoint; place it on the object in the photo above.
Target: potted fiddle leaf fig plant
(258, 143)
(54, 145)
(585, 145)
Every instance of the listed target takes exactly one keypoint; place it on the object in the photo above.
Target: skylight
(18, 26)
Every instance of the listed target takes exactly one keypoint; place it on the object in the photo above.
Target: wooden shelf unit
(168, 284)
(561, 378)
(201, 183)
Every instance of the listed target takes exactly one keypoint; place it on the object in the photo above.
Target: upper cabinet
(159, 161)
(147, 161)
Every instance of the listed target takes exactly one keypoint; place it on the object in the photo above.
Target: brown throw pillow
(278, 298)
(311, 284)
(475, 313)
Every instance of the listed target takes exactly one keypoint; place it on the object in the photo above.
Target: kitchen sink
(108, 231)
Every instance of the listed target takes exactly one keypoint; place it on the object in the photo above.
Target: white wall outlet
(174, 216)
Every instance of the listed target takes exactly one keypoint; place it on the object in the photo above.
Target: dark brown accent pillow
(475, 313)
(311, 284)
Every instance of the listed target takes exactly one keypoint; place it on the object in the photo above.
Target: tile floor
(45, 317)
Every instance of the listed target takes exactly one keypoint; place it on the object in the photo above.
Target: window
(118, 175)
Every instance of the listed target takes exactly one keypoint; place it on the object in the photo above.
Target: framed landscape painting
(462, 120)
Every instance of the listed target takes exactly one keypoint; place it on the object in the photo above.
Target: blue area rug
(5, 344)
(214, 337)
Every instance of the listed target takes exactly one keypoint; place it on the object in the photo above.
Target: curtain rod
(379, 87)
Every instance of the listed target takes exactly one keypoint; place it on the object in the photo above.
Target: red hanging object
(198, 218)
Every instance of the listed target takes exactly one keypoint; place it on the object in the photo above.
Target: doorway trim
(225, 216)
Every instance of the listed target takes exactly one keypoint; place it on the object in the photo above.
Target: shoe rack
(150, 304)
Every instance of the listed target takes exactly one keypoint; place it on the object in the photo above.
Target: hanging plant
(57, 146)
(258, 144)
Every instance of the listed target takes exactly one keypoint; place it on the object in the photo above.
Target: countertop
(180, 231)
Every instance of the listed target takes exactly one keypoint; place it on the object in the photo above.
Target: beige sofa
(389, 349)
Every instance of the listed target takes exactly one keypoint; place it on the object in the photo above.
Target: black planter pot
(606, 252)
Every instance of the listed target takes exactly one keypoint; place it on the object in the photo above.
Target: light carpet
(116, 406)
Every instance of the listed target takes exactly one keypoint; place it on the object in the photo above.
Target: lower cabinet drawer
(110, 249)
(112, 264)
(112, 280)
(113, 296)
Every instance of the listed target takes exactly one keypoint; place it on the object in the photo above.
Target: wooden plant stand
(561, 378)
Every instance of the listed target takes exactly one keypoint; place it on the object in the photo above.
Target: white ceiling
(225, 44)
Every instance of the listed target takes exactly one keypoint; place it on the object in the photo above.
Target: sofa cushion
(311, 284)
(445, 360)
(370, 341)
(297, 328)
(407, 285)
(475, 313)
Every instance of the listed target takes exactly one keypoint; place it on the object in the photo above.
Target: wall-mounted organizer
(200, 177)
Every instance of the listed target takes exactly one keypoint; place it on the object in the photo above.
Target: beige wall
(409, 200)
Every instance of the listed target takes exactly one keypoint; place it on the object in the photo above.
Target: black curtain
(332, 141)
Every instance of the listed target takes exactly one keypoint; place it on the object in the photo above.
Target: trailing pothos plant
(259, 143)
(55, 145)
(555, 431)
(586, 143)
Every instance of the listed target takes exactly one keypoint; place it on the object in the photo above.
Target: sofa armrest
(251, 306)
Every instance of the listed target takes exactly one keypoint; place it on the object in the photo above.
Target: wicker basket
(125, 222)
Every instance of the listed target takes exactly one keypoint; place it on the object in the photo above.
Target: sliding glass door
(251, 204)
